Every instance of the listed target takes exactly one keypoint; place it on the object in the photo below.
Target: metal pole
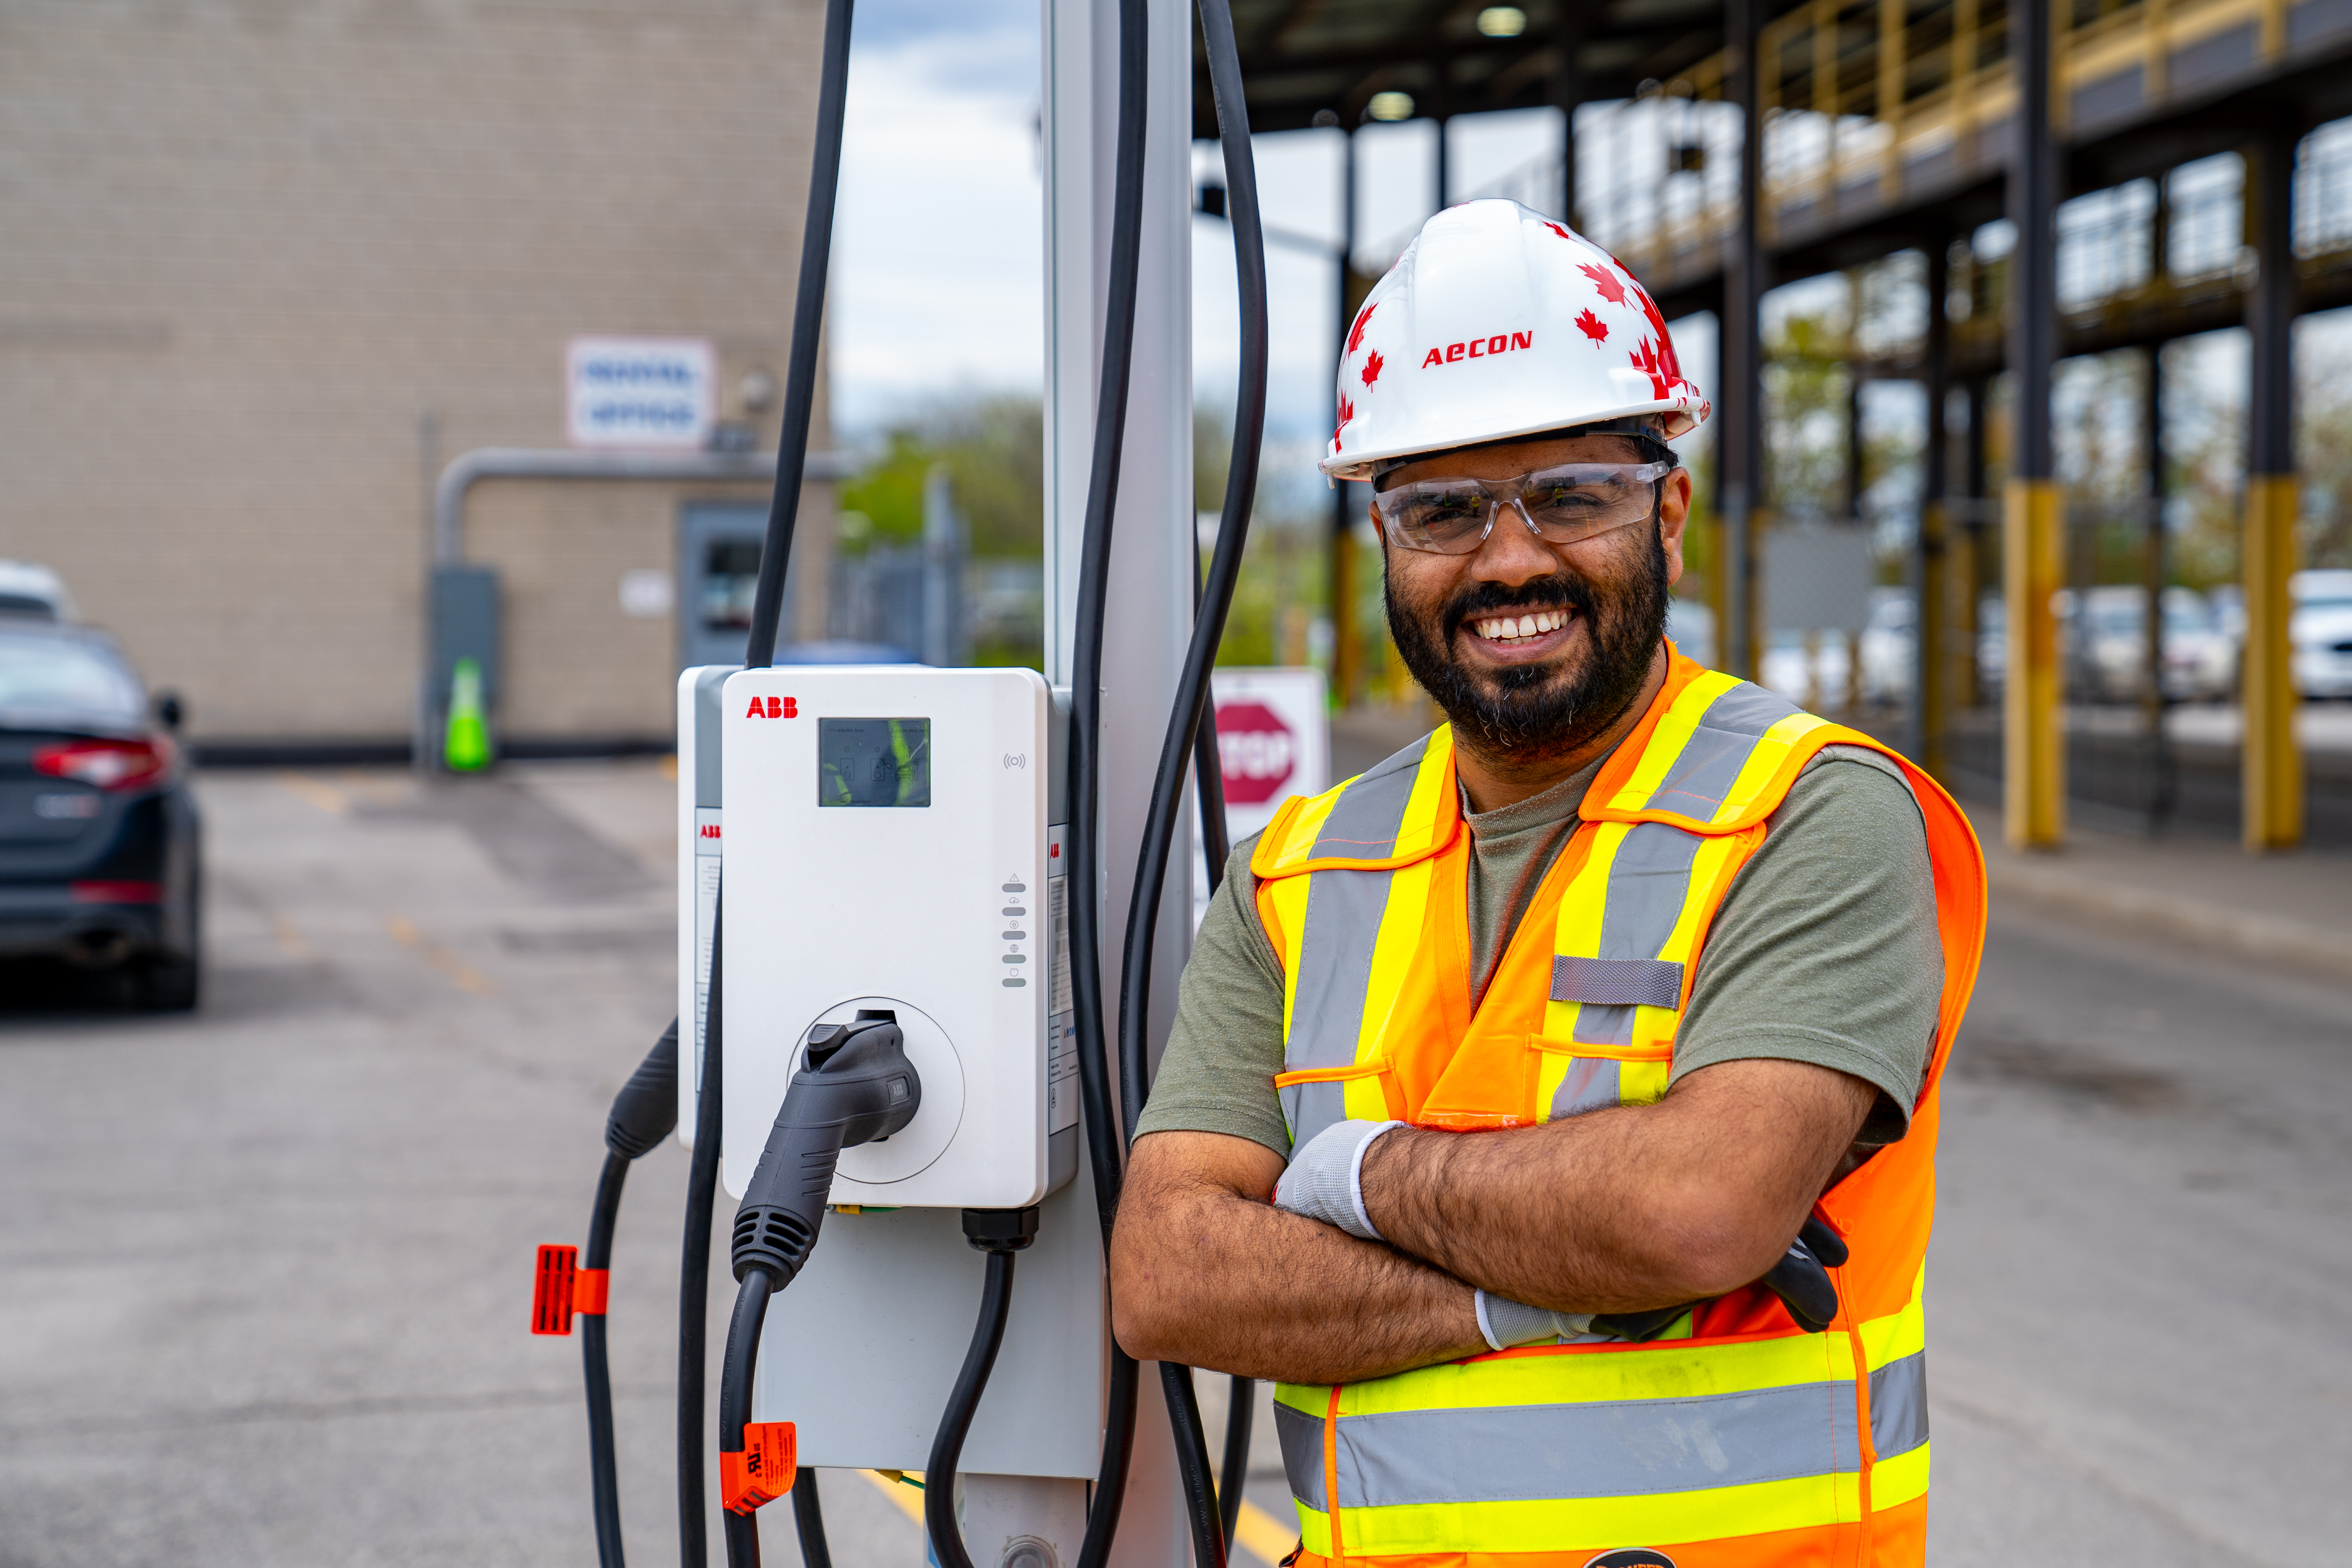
(2154, 700)
(1742, 394)
(1150, 611)
(1972, 569)
(1567, 90)
(2033, 766)
(2270, 763)
(1931, 682)
(1346, 647)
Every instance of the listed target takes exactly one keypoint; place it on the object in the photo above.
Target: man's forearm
(1629, 1208)
(1203, 1274)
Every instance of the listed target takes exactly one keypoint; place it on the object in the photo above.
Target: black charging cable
(857, 1085)
(1001, 1234)
(575, 1286)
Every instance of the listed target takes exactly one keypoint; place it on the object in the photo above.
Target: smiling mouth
(1521, 633)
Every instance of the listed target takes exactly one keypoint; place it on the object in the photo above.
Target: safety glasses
(1560, 505)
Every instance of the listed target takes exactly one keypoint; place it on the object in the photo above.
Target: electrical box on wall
(889, 846)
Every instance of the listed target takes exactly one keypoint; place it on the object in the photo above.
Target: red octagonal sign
(1255, 751)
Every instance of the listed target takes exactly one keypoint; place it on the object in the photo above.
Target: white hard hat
(1497, 322)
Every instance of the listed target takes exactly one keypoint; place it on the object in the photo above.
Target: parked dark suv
(99, 859)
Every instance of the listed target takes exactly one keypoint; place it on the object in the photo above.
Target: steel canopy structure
(1785, 140)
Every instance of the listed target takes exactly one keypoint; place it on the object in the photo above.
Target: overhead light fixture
(1390, 106)
(1502, 21)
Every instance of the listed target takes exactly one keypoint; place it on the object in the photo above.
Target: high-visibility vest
(1736, 1438)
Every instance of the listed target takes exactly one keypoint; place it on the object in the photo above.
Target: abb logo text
(774, 707)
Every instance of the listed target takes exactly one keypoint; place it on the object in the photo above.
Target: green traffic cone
(467, 748)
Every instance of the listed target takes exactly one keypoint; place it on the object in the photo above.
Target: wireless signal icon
(1015, 760)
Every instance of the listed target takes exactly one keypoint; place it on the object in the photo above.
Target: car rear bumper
(85, 923)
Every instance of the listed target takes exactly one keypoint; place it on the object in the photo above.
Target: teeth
(1511, 629)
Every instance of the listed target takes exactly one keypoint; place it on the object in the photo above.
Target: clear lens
(1561, 505)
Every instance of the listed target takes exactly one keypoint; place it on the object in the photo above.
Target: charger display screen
(874, 761)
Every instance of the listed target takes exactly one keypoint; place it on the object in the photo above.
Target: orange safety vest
(1736, 1438)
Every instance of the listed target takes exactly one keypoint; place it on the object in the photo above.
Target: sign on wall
(640, 392)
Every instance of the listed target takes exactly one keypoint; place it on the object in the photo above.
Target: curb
(2143, 910)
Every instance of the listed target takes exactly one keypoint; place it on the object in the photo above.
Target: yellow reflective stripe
(1900, 1479)
(1431, 805)
(1306, 829)
(1289, 894)
(1667, 741)
(1643, 1083)
(1578, 1524)
(1771, 749)
(1671, 1371)
(1393, 950)
(1307, 1398)
(1898, 1334)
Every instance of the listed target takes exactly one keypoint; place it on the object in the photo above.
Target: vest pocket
(1315, 1098)
(1566, 1077)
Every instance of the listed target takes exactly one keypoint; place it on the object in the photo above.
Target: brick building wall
(267, 262)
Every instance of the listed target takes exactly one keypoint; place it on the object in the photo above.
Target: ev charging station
(890, 843)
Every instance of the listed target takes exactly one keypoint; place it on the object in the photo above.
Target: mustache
(1484, 598)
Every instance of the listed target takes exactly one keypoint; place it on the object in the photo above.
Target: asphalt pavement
(264, 1270)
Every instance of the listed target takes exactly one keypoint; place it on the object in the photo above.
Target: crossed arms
(1614, 1211)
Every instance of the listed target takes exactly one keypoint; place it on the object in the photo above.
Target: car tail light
(118, 893)
(108, 765)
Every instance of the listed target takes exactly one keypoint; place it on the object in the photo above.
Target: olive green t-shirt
(1825, 951)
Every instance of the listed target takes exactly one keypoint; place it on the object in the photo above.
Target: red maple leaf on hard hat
(1356, 336)
(1606, 281)
(1649, 362)
(1372, 368)
(1593, 327)
(1347, 411)
(1559, 231)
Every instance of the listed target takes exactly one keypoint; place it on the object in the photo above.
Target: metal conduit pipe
(469, 468)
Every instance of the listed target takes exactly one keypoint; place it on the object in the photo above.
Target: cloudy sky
(942, 142)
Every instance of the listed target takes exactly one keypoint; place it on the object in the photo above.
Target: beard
(1529, 713)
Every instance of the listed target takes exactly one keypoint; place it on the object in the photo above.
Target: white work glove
(1506, 1323)
(1326, 1178)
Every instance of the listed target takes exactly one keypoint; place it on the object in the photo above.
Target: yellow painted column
(2034, 774)
(2271, 761)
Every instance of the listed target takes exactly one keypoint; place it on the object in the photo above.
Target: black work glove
(1800, 1279)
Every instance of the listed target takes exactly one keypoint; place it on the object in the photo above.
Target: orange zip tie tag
(555, 1291)
(589, 1288)
(764, 1471)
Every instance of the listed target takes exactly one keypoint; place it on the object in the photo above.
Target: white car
(1890, 645)
(2109, 643)
(2320, 631)
(28, 589)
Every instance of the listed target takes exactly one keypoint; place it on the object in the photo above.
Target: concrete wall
(268, 262)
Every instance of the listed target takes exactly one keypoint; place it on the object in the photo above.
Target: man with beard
(1587, 1050)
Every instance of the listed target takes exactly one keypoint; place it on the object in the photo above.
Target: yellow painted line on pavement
(1255, 1533)
(909, 1499)
(404, 932)
(316, 792)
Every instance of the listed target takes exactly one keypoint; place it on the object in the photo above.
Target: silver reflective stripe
(1709, 762)
(1591, 1084)
(1301, 1437)
(1363, 823)
(1617, 1448)
(1617, 981)
(1326, 1009)
(1335, 950)
(1649, 880)
(1898, 1405)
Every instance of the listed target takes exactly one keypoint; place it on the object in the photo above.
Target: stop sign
(1255, 751)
